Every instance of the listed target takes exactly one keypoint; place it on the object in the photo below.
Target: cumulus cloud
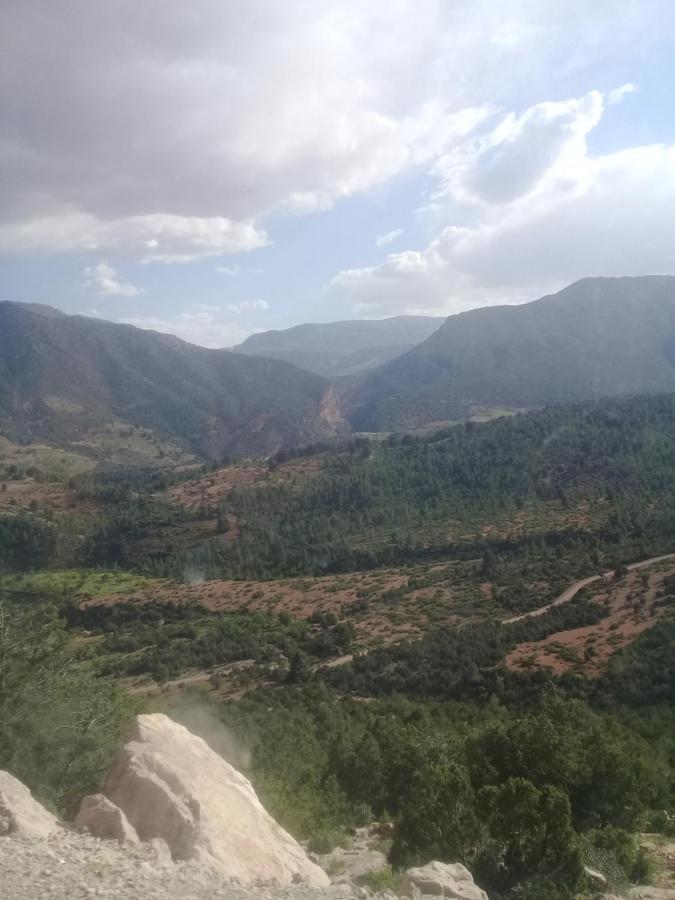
(205, 325)
(521, 152)
(555, 214)
(152, 238)
(616, 95)
(104, 280)
(248, 305)
(167, 130)
(383, 239)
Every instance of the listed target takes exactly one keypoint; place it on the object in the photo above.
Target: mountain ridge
(60, 375)
(596, 337)
(345, 347)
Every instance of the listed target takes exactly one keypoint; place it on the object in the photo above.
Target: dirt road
(577, 586)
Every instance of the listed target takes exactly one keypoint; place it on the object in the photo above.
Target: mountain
(342, 348)
(62, 376)
(599, 336)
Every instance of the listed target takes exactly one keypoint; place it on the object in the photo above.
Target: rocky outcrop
(171, 785)
(20, 813)
(442, 880)
(103, 819)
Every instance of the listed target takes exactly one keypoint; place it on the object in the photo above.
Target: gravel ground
(73, 866)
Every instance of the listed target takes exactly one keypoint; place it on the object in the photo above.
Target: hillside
(64, 377)
(342, 348)
(484, 613)
(597, 337)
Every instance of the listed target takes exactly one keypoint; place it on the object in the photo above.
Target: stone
(171, 785)
(360, 863)
(20, 813)
(103, 819)
(442, 880)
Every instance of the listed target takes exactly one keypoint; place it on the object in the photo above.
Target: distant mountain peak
(63, 376)
(335, 349)
(598, 336)
(39, 309)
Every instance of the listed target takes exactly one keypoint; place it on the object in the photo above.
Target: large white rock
(103, 819)
(171, 785)
(442, 880)
(20, 813)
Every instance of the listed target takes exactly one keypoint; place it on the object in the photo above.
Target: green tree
(531, 838)
(59, 724)
(438, 814)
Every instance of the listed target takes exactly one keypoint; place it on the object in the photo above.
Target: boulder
(20, 813)
(171, 785)
(442, 880)
(103, 819)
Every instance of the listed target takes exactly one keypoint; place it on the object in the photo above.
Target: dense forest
(600, 474)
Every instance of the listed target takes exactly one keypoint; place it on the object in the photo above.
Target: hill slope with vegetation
(592, 475)
(62, 377)
(394, 670)
(597, 337)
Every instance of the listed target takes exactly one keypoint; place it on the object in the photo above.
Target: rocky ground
(69, 865)
(177, 822)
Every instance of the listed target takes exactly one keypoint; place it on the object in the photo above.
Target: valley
(337, 450)
(447, 604)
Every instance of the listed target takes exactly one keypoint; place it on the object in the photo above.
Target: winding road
(577, 586)
(567, 595)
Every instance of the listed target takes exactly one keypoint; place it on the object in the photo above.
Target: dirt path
(577, 586)
(192, 678)
(153, 687)
(332, 663)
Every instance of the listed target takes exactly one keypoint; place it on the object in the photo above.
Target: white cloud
(383, 239)
(204, 325)
(617, 94)
(104, 280)
(169, 134)
(555, 214)
(522, 153)
(248, 305)
(230, 271)
(152, 238)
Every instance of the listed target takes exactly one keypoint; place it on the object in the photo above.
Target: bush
(385, 879)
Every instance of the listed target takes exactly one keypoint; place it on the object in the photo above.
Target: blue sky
(215, 169)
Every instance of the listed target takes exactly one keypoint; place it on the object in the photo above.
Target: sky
(213, 169)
